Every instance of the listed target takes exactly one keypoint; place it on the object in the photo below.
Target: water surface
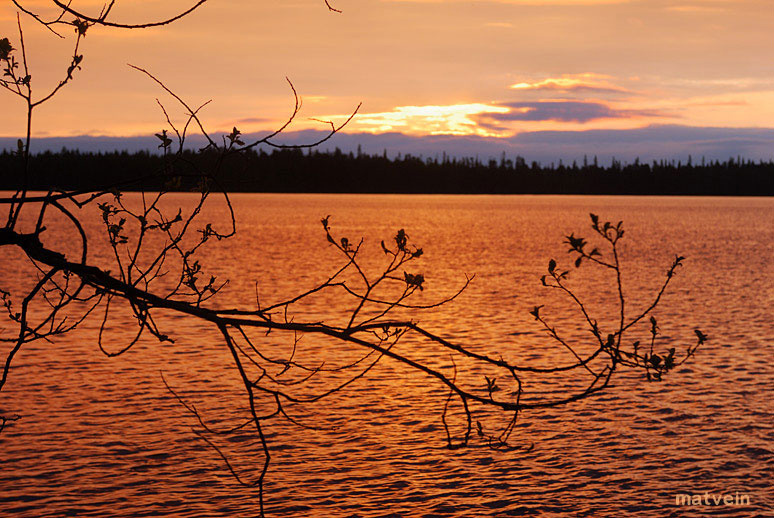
(103, 437)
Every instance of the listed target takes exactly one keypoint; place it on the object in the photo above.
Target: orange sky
(487, 68)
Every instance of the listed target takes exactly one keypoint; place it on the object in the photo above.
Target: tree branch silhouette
(154, 267)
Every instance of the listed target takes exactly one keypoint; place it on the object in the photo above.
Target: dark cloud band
(564, 111)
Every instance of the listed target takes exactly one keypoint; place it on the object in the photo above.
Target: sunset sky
(495, 69)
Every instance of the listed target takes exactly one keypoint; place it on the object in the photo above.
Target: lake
(103, 436)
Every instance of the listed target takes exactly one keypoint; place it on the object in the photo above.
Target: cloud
(695, 9)
(455, 119)
(716, 104)
(586, 83)
(654, 142)
(254, 120)
(491, 119)
(565, 111)
(726, 84)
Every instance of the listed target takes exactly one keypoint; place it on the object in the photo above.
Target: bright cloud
(456, 119)
(497, 119)
(573, 82)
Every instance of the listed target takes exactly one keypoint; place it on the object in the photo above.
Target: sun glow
(456, 119)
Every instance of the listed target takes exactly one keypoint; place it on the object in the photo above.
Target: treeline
(320, 172)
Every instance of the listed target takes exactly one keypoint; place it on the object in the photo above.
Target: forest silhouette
(314, 171)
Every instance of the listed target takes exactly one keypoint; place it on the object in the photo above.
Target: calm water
(103, 437)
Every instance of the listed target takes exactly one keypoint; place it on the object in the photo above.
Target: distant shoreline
(294, 171)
